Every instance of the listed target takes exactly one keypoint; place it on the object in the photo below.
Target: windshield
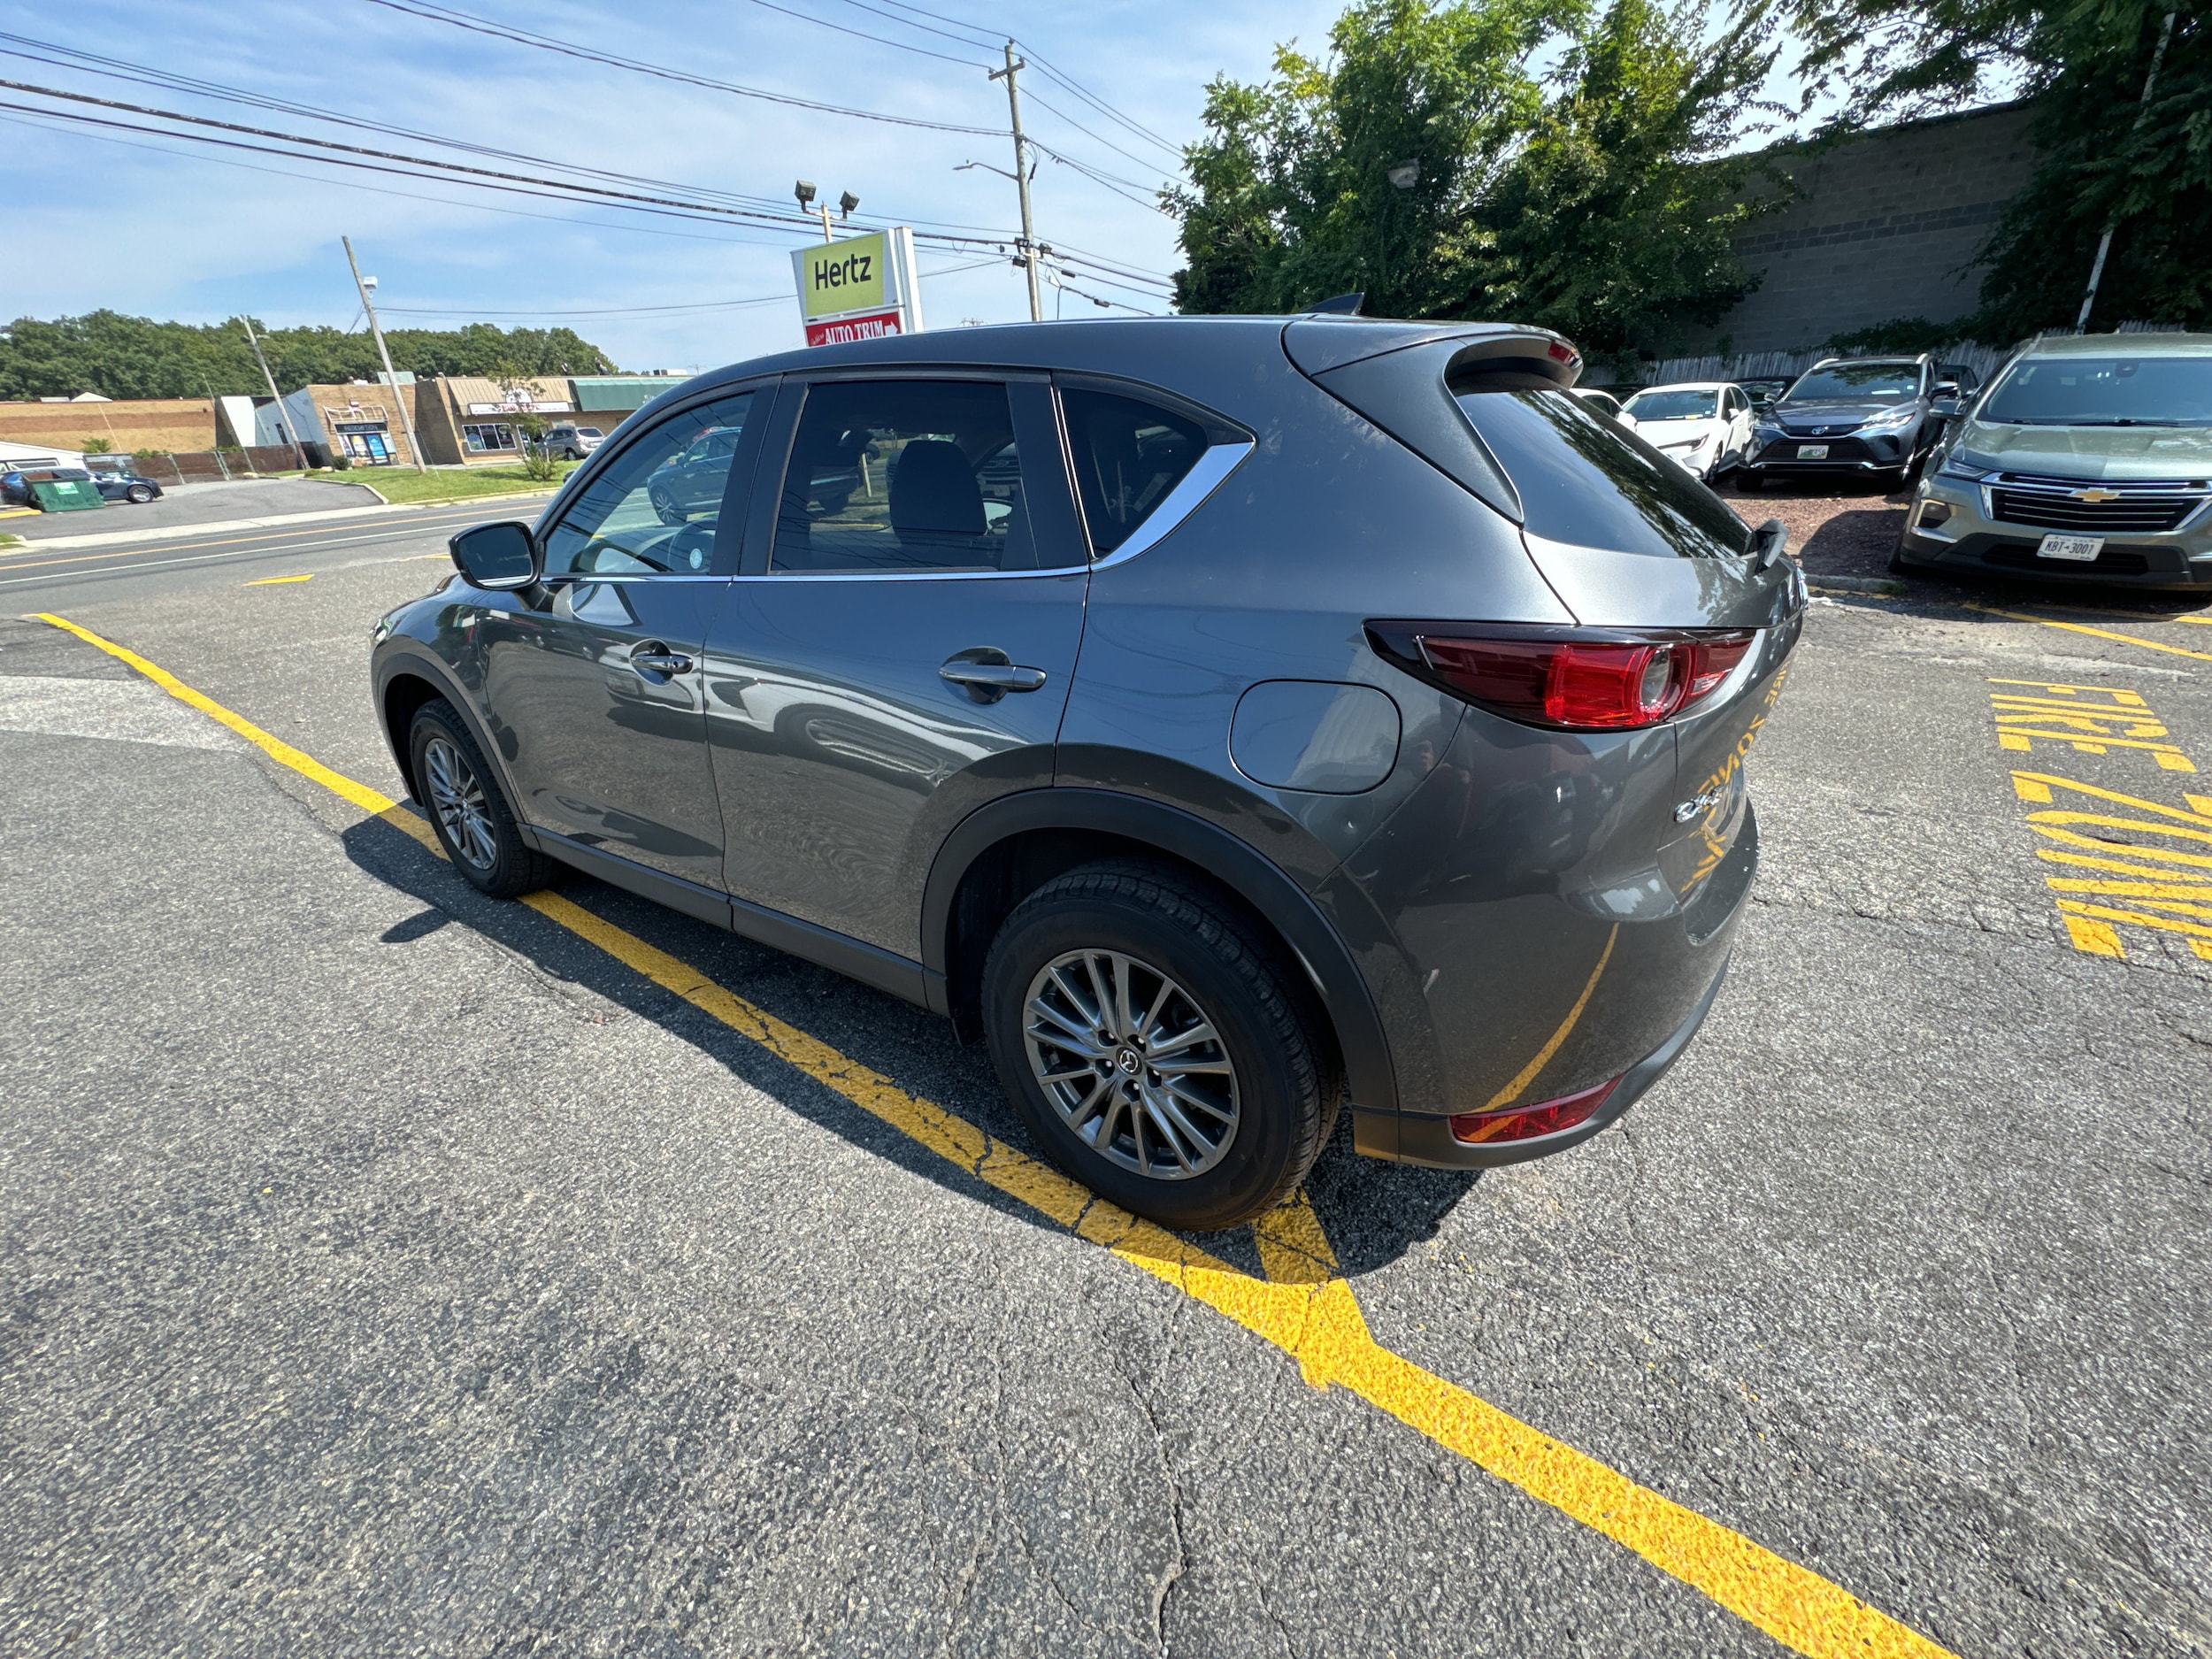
(1673, 405)
(2104, 392)
(1857, 383)
(1588, 480)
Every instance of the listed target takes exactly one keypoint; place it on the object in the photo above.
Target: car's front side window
(905, 476)
(657, 508)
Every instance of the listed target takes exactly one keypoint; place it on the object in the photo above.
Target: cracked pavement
(387, 1272)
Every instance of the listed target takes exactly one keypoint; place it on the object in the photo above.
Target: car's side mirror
(496, 556)
(1946, 405)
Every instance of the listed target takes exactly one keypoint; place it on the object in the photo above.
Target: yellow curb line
(2083, 627)
(1305, 1307)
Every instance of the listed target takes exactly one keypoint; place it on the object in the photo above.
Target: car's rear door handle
(653, 658)
(988, 673)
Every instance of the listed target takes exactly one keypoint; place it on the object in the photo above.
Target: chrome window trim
(1207, 475)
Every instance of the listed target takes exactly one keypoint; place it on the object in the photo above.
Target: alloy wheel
(457, 798)
(1132, 1064)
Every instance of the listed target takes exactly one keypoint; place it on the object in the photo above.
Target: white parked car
(1604, 402)
(1704, 425)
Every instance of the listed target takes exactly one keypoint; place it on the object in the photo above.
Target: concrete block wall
(1885, 227)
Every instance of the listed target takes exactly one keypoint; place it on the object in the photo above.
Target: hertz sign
(859, 288)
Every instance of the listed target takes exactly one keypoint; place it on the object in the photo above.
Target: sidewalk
(125, 538)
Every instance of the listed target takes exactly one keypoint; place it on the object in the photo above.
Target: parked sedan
(2090, 459)
(119, 480)
(1013, 671)
(1875, 417)
(1702, 425)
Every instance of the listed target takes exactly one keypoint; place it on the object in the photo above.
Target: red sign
(841, 330)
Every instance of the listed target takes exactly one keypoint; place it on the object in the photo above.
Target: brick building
(1886, 227)
(128, 424)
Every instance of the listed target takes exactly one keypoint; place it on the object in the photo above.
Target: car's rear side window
(1128, 455)
(1585, 480)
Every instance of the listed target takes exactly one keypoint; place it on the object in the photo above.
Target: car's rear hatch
(1626, 538)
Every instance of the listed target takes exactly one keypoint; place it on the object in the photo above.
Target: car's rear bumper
(1430, 1141)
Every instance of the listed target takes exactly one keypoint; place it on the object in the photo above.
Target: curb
(126, 538)
(1887, 586)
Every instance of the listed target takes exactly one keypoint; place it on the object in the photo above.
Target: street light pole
(2142, 113)
(391, 376)
(1021, 180)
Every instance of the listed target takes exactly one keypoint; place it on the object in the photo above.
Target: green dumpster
(67, 495)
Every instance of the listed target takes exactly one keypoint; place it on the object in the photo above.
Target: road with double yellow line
(402, 1268)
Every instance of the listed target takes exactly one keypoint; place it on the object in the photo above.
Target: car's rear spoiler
(1405, 382)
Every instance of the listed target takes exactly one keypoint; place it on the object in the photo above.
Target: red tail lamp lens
(1526, 1123)
(1552, 678)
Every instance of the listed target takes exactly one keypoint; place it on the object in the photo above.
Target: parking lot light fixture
(1405, 175)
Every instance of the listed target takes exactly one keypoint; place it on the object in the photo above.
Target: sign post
(861, 288)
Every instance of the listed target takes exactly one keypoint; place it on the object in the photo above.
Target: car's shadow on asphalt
(1372, 1212)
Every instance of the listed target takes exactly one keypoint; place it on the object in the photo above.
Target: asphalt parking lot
(389, 1271)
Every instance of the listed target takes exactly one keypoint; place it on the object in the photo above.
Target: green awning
(620, 391)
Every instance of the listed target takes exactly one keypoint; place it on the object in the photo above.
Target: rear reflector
(1595, 679)
(1526, 1123)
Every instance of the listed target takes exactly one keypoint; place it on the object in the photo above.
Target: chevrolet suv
(2090, 459)
(1226, 720)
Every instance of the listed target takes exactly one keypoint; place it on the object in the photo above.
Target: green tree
(1290, 196)
(1613, 225)
(117, 356)
(2084, 62)
(1591, 200)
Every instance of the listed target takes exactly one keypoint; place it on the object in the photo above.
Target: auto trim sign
(861, 288)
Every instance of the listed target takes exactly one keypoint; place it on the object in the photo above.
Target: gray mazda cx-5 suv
(1221, 719)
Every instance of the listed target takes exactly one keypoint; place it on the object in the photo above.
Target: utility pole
(2142, 114)
(1021, 180)
(391, 376)
(284, 415)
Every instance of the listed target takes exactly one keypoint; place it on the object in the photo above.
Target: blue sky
(161, 228)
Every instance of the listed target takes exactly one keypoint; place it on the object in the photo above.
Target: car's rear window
(1585, 480)
(2114, 391)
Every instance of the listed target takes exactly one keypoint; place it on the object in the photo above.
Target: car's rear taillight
(1576, 679)
(1526, 1123)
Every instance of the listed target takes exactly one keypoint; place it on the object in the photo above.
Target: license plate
(1812, 451)
(2084, 548)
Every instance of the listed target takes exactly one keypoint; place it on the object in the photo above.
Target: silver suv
(1226, 720)
(2089, 459)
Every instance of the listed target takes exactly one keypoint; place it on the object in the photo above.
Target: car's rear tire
(1157, 1046)
(471, 818)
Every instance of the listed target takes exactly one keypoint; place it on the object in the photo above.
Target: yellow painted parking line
(277, 581)
(1304, 1306)
(2103, 633)
(367, 799)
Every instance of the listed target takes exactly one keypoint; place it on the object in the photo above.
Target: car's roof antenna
(1341, 305)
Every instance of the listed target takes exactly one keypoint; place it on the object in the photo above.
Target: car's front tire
(1157, 1045)
(471, 818)
(138, 495)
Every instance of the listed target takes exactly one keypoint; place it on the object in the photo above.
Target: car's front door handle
(988, 673)
(653, 658)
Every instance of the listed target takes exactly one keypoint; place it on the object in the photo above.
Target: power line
(1042, 62)
(618, 311)
(877, 40)
(569, 49)
(168, 80)
(39, 122)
